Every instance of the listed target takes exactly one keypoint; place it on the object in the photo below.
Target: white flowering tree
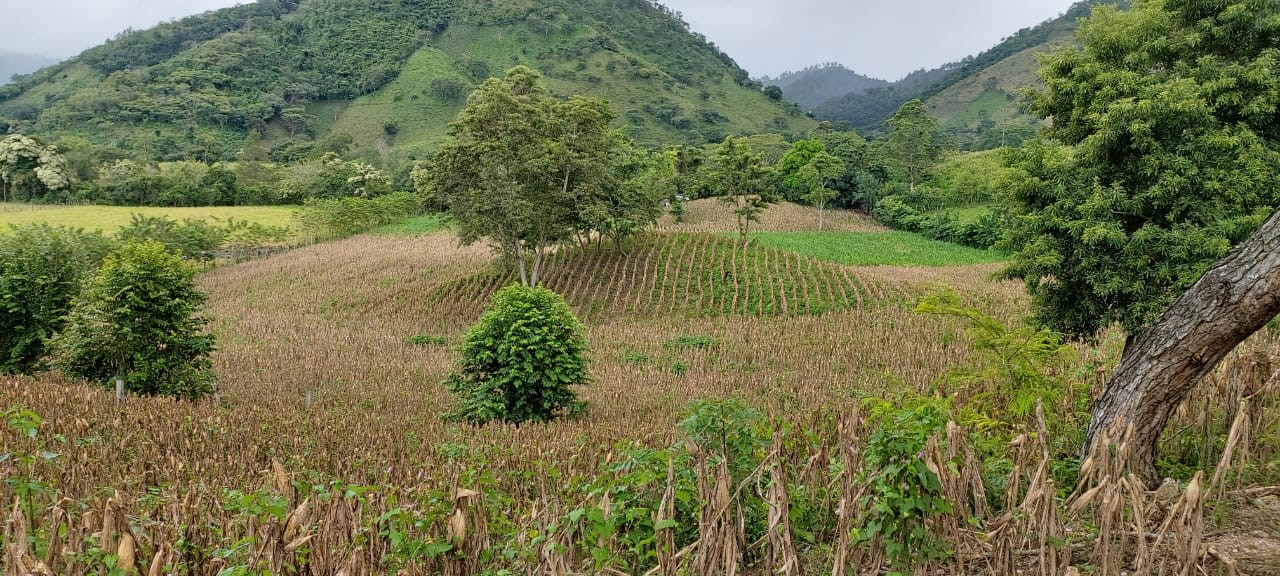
(30, 169)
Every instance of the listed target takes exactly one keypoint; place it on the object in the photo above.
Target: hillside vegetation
(388, 74)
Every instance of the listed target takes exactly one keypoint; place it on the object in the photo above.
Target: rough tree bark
(1235, 298)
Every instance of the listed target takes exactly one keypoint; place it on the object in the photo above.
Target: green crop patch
(876, 248)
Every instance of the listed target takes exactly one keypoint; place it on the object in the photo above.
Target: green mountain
(815, 85)
(16, 64)
(975, 98)
(386, 76)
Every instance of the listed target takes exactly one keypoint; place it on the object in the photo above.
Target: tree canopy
(1162, 156)
(915, 142)
(526, 171)
(740, 176)
(139, 319)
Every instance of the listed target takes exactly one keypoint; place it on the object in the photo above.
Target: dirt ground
(1250, 536)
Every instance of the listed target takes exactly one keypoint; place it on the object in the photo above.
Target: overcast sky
(882, 38)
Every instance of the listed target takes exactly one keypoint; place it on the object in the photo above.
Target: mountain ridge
(387, 76)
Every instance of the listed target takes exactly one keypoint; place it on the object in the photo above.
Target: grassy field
(112, 218)
(417, 226)
(876, 248)
(712, 215)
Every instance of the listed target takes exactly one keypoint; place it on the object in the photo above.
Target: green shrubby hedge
(946, 226)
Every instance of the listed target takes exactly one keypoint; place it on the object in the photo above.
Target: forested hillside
(975, 98)
(282, 77)
(866, 111)
(815, 85)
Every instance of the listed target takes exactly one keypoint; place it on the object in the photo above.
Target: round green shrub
(520, 362)
(139, 319)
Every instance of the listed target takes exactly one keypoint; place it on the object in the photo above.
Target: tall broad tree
(789, 166)
(915, 142)
(741, 178)
(629, 199)
(1234, 299)
(519, 164)
(1162, 156)
(580, 150)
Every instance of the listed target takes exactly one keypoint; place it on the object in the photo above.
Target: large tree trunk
(1234, 299)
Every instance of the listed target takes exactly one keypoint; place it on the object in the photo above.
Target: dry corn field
(683, 275)
(325, 452)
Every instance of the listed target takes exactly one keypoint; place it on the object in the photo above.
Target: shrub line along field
(713, 215)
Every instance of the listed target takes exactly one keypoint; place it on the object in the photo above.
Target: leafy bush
(894, 212)
(903, 493)
(41, 270)
(448, 88)
(1014, 368)
(340, 217)
(729, 428)
(243, 237)
(520, 362)
(139, 319)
